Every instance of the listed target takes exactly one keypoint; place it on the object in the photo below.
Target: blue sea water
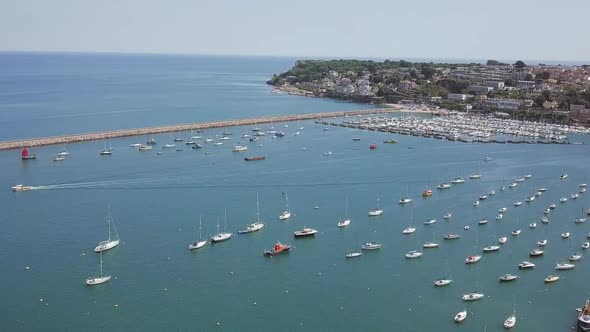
(157, 199)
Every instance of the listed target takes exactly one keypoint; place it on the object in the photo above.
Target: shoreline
(75, 138)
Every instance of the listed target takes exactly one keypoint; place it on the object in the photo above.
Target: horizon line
(302, 57)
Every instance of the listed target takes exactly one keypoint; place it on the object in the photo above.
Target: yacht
(574, 257)
(473, 296)
(482, 197)
(536, 252)
(492, 192)
(277, 249)
(574, 196)
(564, 266)
(344, 223)
(483, 221)
(145, 147)
(239, 148)
(538, 193)
(426, 193)
(405, 200)
(503, 240)
(101, 279)
(499, 216)
(442, 282)
(528, 176)
(452, 236)
(219, 237)
(510, 321)
(457, 180)
(526, 265)
(542, 189)
(583, 185)
(552, 206)
(287, 213)
(466, 227)
(430, 245)
(508, 277)
(430, 222)
(488, 159)
(565, 235)
(110, 243)
(491, 248)
(169, 145)
(516, 232)
(533, 225)
(586, 245)
(512, 185)
(472, 259)
(353, 254)
(475, 176)
(502, 210)
(59, 158)
(547, 211)
(584, 318)
(371, 246)
(413, 254)
(409, 230)
(530, 199)
(563, 176)
(542, 243)
(255, 227)
(519, 180)
(580, 220)
(502, 188)
(476, 203)
(582, 190)
(551, 278)
(305, 232)
(375, 212)
(517, 203)
(460, 316)
(444, 186)
(448, 216)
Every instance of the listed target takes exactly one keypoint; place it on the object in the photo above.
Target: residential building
(457, 97)
(502, 103)
(525, 85)
(496, 85)
(479, 89)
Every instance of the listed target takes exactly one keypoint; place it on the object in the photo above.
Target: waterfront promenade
(41, 141)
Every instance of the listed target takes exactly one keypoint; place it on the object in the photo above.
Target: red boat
(25, 155)
(254, 158)
(373, 146)
(278, 248)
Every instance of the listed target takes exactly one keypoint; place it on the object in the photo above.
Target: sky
(427, 29)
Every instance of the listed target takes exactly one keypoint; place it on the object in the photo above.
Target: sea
(158, 197)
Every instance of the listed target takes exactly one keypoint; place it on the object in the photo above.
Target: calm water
(156, 201)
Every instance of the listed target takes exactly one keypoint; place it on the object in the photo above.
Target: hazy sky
(499, 29)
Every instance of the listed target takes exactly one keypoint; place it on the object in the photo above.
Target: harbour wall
(33, 142)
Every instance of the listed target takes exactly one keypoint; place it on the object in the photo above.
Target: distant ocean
(157, 198)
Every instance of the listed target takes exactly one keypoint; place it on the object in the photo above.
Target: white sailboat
(287, 213)
(258, 225)
(411, 229)
(510, 321)
(444, 281)
(111, 242)
(346, 221)
(354, 253)
(105, 151)
(200, 243)
(221, 236)
(101, 279)
(376, 211)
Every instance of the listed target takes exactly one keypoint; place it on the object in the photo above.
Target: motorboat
(426, 193)
(491, 248)
(190, 143)
(547, 211)
(430, 222)
(582, 190)
(353, 254)
(503, 240)
(574, 257)
(519, 180)
(409, 230)
(538, 193)
(542, 189)
(472, 259)
(526, 265)
(542, 243)
(564, 266)
(502, 210)
(482, 197)
(488, 159)
(508, 277)
(502, 188)
(444, 186)
(516, 232)
(371, 246)
(563, 176)
(457, 180)
(168, 146)
(375, 212)
(305, 232)
(344, 223)
(483, 221)
(20, 187)
(447, 216)
(517, 203)
(466, 227)
(584, 318)
(563, 200)
(430, 245)
(492, 192)
(530, 199)
(580, 220)
(460, 316)
(574, 196)
(475, 176)
(474, 296)
(510, 321)
(442, 282)
(413, 254)
(551, 278)
(451, 236)
(583, 185)
(476, 203)
(528, 176)
(536, 252)
(533, 225)
(512, 185)
(59, 158)
(239, 148)
(405, 200)
(499, 216)
(255, 227)
(552, 206)
(565, 235)
(277, 249)
(63, 153)
(586, 245)
(145, 147)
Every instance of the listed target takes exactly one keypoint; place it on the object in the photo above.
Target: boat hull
(97, 280)
(106, 245)
(273, 252)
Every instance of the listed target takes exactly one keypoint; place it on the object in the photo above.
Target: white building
(457, 97)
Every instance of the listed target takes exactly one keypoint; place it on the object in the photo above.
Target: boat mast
(346, 207)
(257, 208)
(101, 263)
(109, 219)
(200, 233)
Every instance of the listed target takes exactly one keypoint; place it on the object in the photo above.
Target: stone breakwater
(33, 142)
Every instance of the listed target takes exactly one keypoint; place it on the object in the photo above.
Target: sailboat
(105, 151)
(346, 221)
(476, 175)
(371, 245)
(411, 229)
(110, 243)
(258, 225)
(221, 236)
(101, 279)
(200, 243)
(510, 321)
(474, 258)
(444, 281)
(354, 253)
(287, 213)
(63, 152)
(376, 211)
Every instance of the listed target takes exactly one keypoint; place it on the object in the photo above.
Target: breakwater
(41, 141)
